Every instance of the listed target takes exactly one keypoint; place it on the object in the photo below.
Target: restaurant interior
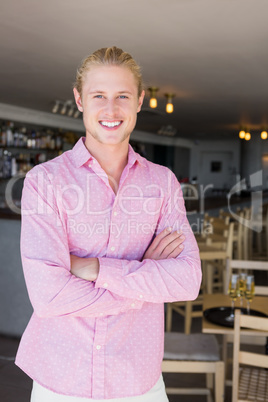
(204, 116)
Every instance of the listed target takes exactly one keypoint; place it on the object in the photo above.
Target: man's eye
(123, 97)
(98, 96)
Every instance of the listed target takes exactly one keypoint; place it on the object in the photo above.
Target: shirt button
(115, 213)
(98, 347)
(113, 248)
(133, 305)
(105, 285)
(141, 296)
(101, 314)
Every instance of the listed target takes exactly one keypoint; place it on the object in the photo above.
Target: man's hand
(85, 268)
(166, 244)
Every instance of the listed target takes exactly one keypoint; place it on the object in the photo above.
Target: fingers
(160, 237)
(167, 244)
(167, 240)
(174, 248)
(171, 245)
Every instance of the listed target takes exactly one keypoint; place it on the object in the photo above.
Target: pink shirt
(105, 339)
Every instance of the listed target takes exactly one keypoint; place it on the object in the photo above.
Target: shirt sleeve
(45, 254)
(157, 281)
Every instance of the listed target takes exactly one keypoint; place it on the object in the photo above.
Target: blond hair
(108, 56)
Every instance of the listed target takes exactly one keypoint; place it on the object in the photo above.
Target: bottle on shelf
(1, 162)
(59, 141)
(6, 164)
(23, 146)
(33, 143)
(3, 141)
(9, 135)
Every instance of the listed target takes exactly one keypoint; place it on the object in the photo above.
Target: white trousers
(156, 394)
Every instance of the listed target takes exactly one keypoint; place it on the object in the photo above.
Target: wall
(203, 153)
(182, 162)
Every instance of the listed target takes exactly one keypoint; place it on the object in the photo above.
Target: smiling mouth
(111, 124)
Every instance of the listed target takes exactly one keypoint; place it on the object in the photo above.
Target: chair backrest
(223, 214)
(216, 225)
(258, 324)
(226, 242)
(219, 225)
(244, 266)
(246, 234)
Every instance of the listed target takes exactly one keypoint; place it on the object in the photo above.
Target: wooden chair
(225, 218)
(237, 218)
(250, 379)
(195, 353)
(185, 309)
(223, 243)
(246, 236)
(261, 250)
(238, 236)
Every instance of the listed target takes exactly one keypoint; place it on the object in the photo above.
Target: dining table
(219, 300)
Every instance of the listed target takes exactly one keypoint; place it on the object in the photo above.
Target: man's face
(109, 104)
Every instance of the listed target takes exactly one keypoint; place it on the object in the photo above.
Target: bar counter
(6, 213)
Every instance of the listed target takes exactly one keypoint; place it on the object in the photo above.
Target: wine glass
(242, 286)
(233, 292)
(250, 291)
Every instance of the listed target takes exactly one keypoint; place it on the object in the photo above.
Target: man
(102, 251)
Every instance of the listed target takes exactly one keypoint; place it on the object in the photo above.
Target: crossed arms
(167, 244)
(62, 285)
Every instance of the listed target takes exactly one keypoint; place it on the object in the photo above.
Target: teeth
(110, 123)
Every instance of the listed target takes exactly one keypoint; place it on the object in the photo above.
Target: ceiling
(212, 54)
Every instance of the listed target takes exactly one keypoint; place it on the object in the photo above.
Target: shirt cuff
(110, 278)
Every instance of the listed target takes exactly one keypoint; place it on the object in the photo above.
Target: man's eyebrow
(102, 92)
(96, 91)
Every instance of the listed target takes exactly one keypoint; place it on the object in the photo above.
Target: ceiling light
(76, 114)
(242, 134)
(71, 111)
(264, 135)
(64, 108)
(169, 105)
(247, 136)
(153, 100)
(56, 107)
(167, 130)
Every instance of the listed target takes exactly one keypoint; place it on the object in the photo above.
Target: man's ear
(140, 101)
(78, 100)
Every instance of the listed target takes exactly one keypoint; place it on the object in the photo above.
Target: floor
(15, 386)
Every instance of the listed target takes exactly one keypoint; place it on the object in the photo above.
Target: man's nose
(111, 107)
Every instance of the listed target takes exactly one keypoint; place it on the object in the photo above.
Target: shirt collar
(81, 154)
(135, 157)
